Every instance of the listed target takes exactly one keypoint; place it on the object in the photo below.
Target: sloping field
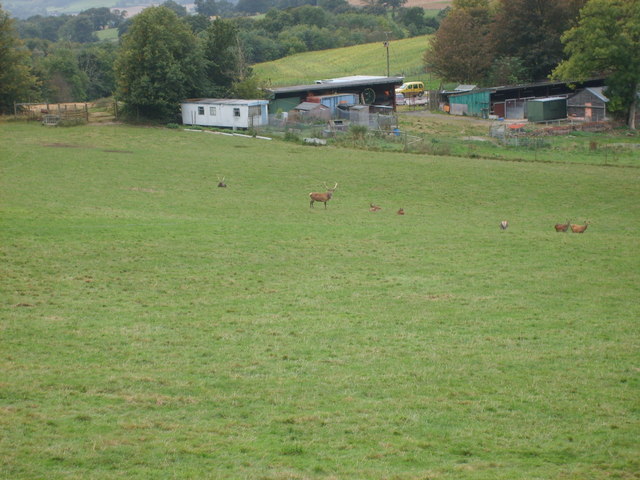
(153, 325)
(405, 59)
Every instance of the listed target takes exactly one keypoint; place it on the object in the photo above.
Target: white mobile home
(225, 112)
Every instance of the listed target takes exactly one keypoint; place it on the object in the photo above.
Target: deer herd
(560, 227)
(324, 197)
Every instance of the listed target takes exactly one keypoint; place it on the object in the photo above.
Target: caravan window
(200, 110)
(212, 111)
(236, 112)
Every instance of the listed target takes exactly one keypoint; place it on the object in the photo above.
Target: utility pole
(386, 45)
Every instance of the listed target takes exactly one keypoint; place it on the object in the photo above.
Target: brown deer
(400, 212)
(374, 208)
(322, 197)
(562, 227)
(221, 183)
(579, 228)
(504, 224)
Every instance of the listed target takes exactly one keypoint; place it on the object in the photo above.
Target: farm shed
(335, 101)
(511, 101)
(589, 104)
(225, 112)
(475, 103)
(309, 112)
(369, 90)
(545, 109)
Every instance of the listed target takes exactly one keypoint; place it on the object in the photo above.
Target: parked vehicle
(411, 89)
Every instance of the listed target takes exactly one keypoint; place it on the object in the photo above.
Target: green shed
(474, 103)
(546, 109)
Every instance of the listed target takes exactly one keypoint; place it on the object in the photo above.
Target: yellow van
(411, 89)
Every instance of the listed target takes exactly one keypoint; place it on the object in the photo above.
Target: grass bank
(405, 59)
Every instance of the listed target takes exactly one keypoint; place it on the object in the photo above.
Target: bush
(358, 132)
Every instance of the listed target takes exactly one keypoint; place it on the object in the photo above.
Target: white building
(225, 112)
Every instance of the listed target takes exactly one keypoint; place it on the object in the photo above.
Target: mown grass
(155, 326)
(405, 59)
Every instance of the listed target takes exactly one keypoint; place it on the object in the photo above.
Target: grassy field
(405, 59)
(155, 326)
(110, 34)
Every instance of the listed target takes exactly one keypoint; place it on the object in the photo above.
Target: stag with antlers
(221, 183)
(322, 197)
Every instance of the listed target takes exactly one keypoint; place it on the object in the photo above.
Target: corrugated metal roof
(548, 99)
(598, 92)
(464, 88)
(355, 81)
(310, 106)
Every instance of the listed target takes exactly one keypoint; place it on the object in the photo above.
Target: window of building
(200, 110)
(236, 112)
(212, 111)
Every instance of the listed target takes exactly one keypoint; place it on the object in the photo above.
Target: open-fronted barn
(368, 90)
(510, 101)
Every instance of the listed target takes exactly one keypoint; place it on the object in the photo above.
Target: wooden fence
(53, 113)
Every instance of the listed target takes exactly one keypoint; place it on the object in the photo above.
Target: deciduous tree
(17, 82)
(460, 48)
(158, 65)
(606, 42)
(530, 30)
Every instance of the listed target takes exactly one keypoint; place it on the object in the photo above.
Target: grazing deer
(374, 208)
(400, 212)
(504, 224)
(221, 183)
(322, 197)
(579, 228)
(562, 227)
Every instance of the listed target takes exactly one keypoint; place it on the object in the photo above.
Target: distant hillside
(28, 8)
(405, 59)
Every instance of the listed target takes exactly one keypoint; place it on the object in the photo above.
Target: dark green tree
(78, 29)
(414, 19)
(158, 65)
(308, 15)
(208, 8)
(606, 42)
(62, 80)
(254, 6)
(39, 26)
(275, 21)
(198, 23)
(222, 57)
(176, 7)
(96, 61)
(507, 71)
(17, 82)
(102, 17)
(530, 30)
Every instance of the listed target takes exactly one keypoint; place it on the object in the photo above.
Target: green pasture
(156, 326)
(405, 59)
(110, 34)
